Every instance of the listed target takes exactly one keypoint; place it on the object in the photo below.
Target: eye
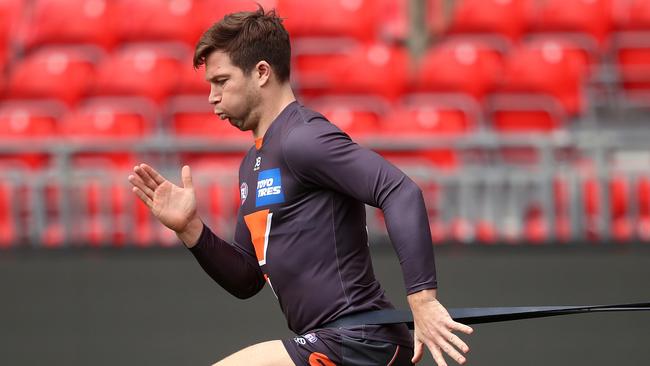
(221, 82)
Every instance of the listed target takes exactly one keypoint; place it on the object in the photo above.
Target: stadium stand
(541, 92)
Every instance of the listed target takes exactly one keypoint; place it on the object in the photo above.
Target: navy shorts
(330, 347)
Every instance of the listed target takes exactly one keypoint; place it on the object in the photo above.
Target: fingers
(417, 350)
(137, 182)
(460, 327)
(451, 351)
(147, 201)
(186, 175)
(437, 355)
(456, 341)
(157, 178)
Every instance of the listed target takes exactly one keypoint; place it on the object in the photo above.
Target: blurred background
(525, 123)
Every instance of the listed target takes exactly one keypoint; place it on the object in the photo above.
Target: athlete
(301, 226)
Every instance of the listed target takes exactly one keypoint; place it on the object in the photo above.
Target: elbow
(244, 293)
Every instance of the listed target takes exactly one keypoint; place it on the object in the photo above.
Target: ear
(262, 73)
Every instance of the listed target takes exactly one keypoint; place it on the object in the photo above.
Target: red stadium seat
(358, 116)
(337, 18)
(426, 118)
(619, 198)
(213, 11)
(394, 18)
(155, 20)
(145, 70)
(463, 66)
(71, 21)
(192, 117)
(59, 73)
(192, 81)
(593, 17)
(10, 16)
(107, 122)
(632, 53)
(632, 15)
(550, 68)
(505, 17)
(28, 124)
(7, 224)
(352, 70)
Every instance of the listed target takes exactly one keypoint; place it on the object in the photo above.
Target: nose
(215, 95)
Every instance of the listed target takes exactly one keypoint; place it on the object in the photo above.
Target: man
(301, 224)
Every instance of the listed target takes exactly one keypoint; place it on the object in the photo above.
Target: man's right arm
(234, 270)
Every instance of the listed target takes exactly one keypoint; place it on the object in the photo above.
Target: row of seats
(107, 23)
(112, 214)
(554, 69)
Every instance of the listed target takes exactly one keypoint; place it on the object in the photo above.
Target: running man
(301, 226)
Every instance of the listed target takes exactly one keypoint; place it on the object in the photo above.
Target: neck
(273, 106)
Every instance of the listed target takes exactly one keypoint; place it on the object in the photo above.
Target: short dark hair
(248, 38)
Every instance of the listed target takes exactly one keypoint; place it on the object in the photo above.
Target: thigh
(271, 353)
(329, 347)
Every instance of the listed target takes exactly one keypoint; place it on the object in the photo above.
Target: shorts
(330, 347)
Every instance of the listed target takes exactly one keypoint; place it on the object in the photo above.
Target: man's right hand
(174, 206)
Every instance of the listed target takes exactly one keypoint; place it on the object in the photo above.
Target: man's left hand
(434, 327)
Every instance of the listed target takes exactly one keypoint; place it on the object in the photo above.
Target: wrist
(421, 296)
(191, 232)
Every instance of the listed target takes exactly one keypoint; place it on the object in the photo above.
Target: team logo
(258, 163)
(243, 192)
(311, 337)
(269, 188)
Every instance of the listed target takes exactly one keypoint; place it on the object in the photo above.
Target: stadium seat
(632, 55)
(358, 116)
(336, 18)
(214, 11)
(10, 18)
(192, 81)
(593, 17)
(29, 125)
(150, 70)
(7, 222)
(549, 68)
(352, 70)
(426, 118)
(508, 18)
(71, 21)
(632, 15)
(192, 117)
(156, 20)
(619, 199)
(111, 123)
(58, 73)
(462, 66)
(395, 17)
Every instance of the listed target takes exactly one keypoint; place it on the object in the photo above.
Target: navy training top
(302, 226)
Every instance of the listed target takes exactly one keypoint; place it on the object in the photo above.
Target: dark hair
(248, 38)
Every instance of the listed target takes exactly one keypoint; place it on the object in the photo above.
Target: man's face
(233, 94)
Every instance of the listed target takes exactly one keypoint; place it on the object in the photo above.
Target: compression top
(302, 226)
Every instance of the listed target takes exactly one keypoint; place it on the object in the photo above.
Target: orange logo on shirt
(319, 359)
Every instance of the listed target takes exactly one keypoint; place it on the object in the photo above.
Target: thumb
(417, 350)
(186, 175)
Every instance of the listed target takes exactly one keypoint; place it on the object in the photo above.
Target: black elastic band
(479, 315)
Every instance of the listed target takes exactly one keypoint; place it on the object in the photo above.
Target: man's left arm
(320, 154)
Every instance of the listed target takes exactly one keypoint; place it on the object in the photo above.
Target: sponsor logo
(243, 192)
(300, 340)
(311, 337)
(258, 163)
(269, 188)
